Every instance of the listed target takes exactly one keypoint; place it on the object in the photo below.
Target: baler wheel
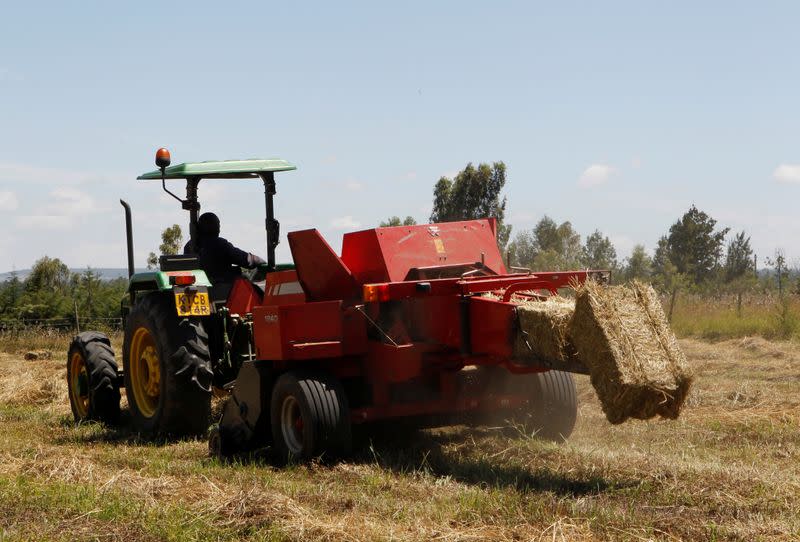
(92, 378)
(167, 369)
(552, 407)
(309, 416)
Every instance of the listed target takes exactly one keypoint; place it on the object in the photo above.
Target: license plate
(193, 304)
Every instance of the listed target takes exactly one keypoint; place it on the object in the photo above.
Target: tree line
(51, 292)
(694, 254)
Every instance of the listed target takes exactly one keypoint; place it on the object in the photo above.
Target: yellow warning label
(439, 245)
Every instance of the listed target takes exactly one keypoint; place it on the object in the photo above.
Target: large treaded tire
(324, 427)
(552, 408)
(183, 405)
(92, 378)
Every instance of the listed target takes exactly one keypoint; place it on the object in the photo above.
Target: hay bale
(544, 330)
(637, 369)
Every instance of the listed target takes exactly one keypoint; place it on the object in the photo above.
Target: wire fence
(60, 324)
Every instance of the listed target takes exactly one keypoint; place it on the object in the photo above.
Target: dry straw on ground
(622, 336)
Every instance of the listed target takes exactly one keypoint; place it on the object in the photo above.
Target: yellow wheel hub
(79, 384)
(145, 369)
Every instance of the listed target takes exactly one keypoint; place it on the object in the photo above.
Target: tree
(778, 262)
(692, 246)
(10, 293)
(473, 193)
(523, 249)
(171, 243)
(87, 292)
(638, 265)
(395, 221)
(739, 258)
(598, 252)
(49, 274)
(46, 290)
(548, 247)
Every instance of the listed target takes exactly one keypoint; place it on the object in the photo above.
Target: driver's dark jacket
(218, 257)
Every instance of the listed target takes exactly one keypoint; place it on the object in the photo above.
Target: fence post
(77, 322)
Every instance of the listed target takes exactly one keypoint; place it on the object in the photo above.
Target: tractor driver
(217, 255)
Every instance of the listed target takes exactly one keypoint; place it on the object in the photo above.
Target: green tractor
(183, 338)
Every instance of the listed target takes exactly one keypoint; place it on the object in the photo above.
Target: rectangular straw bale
(636, 366)
(546, 327)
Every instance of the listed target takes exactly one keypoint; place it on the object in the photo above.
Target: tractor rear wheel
(92, 378)
(310, 416)
(552, 408)
(167, 369)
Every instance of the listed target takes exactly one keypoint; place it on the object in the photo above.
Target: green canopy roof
(224, 169)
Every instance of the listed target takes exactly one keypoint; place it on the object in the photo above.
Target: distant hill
(106, 273)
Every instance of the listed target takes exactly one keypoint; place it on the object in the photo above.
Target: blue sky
(616, 116)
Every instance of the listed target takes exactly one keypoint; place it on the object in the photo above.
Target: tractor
(407, 323)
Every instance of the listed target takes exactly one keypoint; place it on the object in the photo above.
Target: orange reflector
(182, 280)
(374, 293)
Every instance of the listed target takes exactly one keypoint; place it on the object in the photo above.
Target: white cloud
(44, 222)
(71, 202)
(595, 175)
(25, 173)
(8, 201)
(353, 186)
(787, 173)
(345, 223)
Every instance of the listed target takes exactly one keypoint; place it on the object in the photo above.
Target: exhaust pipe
(128, 235)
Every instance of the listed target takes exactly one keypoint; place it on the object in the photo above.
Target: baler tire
(310, 417)
(553, 408)
(181, 404)
(92, 379)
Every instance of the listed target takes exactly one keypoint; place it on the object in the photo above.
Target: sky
(616, 116)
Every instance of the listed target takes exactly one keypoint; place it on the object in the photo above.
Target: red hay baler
(413, 322)
(416, 323)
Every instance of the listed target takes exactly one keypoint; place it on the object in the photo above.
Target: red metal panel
(389, 363)
(435, 320)
(491, 326)
(388, 254)
(321, 272)
(267, 332)
(243, 297)
(293, 332)
(281, 288)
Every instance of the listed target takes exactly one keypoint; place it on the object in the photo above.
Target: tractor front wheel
(92, 378)
(167, 369)
(309, 417)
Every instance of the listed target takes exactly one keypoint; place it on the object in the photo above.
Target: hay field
(728, 469)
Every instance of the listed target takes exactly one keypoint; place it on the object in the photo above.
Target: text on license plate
(193, 304)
